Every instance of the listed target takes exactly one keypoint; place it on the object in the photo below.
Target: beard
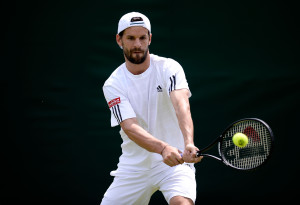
(139, 58)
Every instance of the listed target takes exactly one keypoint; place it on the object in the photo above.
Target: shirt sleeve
(118, 104)
(175, 77)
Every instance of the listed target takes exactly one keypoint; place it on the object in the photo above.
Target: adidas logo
(159, 89)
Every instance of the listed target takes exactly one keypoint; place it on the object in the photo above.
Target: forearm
(141, 137)
(180, 100)
(186, 123)
(181, 105)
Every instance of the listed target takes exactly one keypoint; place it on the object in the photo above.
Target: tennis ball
(240, 139)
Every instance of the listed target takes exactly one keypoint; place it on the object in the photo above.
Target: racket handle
(197, 155)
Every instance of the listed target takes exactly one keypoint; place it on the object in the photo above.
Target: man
(148, 97)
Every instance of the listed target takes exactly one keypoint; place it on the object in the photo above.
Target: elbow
(182, 108)
(128, 126)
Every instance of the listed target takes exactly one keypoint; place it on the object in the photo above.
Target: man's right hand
(171, 156)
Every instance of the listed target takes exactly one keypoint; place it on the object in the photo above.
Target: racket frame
(221, 137)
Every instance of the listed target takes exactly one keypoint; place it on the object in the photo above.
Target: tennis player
(148, 96)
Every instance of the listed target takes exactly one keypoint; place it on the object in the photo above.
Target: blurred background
(241, 59)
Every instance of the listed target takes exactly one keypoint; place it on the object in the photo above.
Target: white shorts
(136, 188)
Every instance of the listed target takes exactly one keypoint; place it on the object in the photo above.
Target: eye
(143, 37)
(130, 37)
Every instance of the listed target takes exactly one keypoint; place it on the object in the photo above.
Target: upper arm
(118, 104)
(174, 77)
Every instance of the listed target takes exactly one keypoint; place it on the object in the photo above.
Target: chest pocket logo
(159, 89)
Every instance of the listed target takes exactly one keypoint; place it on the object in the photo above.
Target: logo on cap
(136, 21)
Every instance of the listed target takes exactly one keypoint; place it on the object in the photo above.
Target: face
(135, 42)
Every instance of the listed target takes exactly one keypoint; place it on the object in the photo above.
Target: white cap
(133, 19)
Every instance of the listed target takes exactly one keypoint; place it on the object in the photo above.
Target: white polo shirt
(147, 97)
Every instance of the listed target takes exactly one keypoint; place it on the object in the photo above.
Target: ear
(150, 38)
(119, 40)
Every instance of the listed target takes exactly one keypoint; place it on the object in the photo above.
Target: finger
(175, 160)
(169, 163)
(180, 157)
(189, 159)
(172, 160)
(191, 154)
(195, 150)
(198, 159)
(194, 154)
(180, 160)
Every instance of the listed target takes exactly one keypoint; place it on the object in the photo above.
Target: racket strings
(257, 150)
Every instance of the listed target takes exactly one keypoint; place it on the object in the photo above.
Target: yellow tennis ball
(240, 139)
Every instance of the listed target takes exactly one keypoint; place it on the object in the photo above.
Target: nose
(137, 43)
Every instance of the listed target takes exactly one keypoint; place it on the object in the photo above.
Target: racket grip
(197, 155)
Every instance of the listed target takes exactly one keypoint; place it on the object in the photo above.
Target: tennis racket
(250, 157)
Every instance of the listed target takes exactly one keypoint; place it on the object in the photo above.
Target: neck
(137, 69)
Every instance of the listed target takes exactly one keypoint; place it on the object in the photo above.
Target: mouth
(139, 51)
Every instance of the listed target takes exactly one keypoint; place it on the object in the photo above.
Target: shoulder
(155, 59)
(116, 78)
(164, 63)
